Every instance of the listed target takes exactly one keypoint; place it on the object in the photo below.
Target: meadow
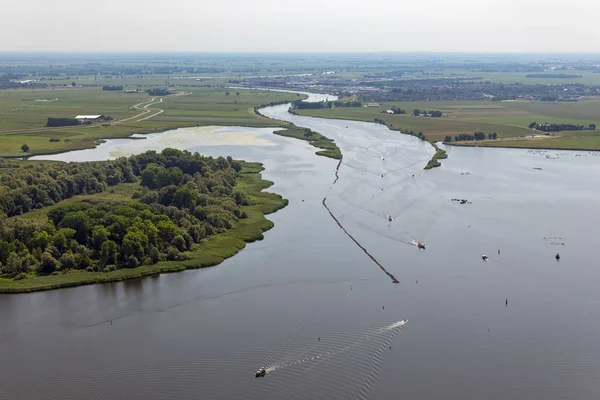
(23, 114)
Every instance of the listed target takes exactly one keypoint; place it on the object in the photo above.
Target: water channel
(307, 302)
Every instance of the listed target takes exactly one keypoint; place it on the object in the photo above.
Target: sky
(300, 25)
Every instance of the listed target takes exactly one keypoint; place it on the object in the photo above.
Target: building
(372, 105)
(93, 118)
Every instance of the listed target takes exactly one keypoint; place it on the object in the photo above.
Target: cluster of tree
(183, 198)
(426, 113)
(471, 136)
(397, 110)
(548, 127)
(113, 88)
(53, 122)
(346, 104)
(159, 92)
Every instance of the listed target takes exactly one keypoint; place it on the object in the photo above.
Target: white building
(89, 117)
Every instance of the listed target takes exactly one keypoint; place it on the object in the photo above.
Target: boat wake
(326, 348)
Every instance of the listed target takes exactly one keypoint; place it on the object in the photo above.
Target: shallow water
(202, 334)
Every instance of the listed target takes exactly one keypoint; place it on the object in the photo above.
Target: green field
(211, 251)
(23, 116)
(509, 119)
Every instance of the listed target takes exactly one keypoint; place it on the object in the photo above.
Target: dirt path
(143, 107)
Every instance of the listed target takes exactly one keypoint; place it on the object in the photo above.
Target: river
(312, 307)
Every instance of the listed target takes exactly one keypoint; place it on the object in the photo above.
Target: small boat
(421, 245)
(557, 256)
(484, 257)
(390, 218)
(260, 373)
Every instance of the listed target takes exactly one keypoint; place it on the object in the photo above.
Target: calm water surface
(202, 334)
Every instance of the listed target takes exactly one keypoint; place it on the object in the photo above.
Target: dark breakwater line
(337, 170)
(392, 277)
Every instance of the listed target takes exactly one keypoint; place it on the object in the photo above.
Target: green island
(70, 224)
(330, 149)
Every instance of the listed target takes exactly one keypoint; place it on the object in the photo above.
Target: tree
(448, 139)
(25, 148)
(134, 244)
(592, 127)
(48, 263)
(237, 93)
(14, 265)
(99, 235)
(532, 125)
(416, 112)
(226, 93)
(80, 222)
(108, 252)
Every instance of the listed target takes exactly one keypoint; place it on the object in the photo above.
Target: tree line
(112, 88)
(427, 113)
(159, 92)
(54, 122)
(548, 127)
(183, 198)
(471, 136)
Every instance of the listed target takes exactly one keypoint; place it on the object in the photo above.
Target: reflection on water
(203, 333)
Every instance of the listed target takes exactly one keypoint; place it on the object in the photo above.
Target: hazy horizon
(265, 26)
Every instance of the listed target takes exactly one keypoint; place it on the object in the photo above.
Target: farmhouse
(92, 118)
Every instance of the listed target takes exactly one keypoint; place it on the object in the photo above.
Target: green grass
(439, 155)
(22, 119)
(210, 252)
(509, 119)
(330, 149)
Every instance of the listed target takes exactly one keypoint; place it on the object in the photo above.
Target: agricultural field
(509, 119)
(24, 113)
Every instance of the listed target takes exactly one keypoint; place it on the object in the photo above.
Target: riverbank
(210, 252)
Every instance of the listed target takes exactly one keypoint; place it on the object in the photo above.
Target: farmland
(23, 114)
(509, 119)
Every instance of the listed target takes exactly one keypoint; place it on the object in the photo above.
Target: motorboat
(261, 372)
(484, 257)
(557, 256)
(421, 245)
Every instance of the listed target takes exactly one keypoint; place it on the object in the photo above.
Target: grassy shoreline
(210, 252)
(330, 149)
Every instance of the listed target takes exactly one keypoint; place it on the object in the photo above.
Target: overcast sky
(301, 25)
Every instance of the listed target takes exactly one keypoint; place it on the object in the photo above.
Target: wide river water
(309, 305)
